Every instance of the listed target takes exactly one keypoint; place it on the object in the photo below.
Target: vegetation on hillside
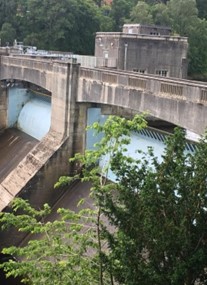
(147, 228)
(70, 25)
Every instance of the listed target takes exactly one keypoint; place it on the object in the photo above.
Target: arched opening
(25, 119)
(29, 109)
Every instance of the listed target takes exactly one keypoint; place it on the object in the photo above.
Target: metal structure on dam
(73, 90)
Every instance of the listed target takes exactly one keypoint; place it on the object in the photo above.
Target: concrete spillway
(34, 118)
(29, 112)
(14, 146)
(26, 148)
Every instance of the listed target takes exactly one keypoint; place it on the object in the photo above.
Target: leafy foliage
(57, 252)
(159, 212)
(120, 11)
(183, 17)
(65, 25)
(68, 250)
(69, 25)
(7, 33)
(197, 53)
(142, 14)
(147, 228)
(202, 8)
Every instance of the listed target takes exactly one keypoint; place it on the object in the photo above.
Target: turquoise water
(29, 112)
(139, 141)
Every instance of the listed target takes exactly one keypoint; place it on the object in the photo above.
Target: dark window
(162, 72)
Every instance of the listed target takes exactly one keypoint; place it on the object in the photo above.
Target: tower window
(139, 70)
(162, 72)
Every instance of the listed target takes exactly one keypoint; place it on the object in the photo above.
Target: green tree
(57, 252)
(202, 8)
(151, 221)
(154, 2)
(120, 11)
(8, 11)
(7, 34)
(141, 13)
(183, 15)
(86, 24)
(106, 21)
(159, 212)
(184, 21)
(160, 14)
(73, 29)
(69, 250)
(197, 52)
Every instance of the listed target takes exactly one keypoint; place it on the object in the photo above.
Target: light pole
(125, 55)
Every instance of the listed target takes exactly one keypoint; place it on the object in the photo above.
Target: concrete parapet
(73, 89)
(181, 102)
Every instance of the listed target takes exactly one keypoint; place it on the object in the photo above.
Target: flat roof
(147, 26)
(141, 36)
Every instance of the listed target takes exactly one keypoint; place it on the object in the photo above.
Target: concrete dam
(47, 126)
(30, 115)
(71, 90)
(24, 143)
(51, 102)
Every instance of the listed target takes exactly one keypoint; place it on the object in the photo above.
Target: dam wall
(36, 174)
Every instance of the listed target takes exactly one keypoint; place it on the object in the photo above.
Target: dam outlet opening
(25, 120)
(29, 111)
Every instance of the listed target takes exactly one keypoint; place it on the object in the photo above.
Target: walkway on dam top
(181, 102)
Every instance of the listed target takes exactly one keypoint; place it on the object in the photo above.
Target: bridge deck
(180, 102)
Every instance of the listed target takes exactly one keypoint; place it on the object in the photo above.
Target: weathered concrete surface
(145, 53)
(36, 174)
(14, 145)
(180, 102)
(58, 77)
(28, 168)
